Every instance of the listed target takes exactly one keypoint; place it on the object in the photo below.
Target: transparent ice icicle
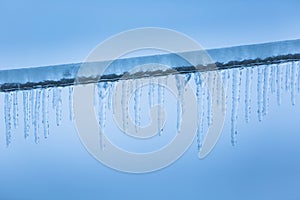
(71, 91)
(36, 115)
(266, 89)
(15, 109)
(136, 105)
(248, 88)
(159, 96)
(26, 113)
(199, 95)
(293, 84)
(273, 79)
(278, 83)
(180, 88)
(287, 76)
(32, 103)
(297, 63)
(260, 93)
(209, 94)
(58, 106)
(7, 116)
(102, 88)
(45, 111)
(236, 82)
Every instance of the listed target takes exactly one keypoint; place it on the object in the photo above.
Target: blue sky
(35, 33)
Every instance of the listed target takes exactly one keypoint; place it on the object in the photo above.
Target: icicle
(102, 88)
(225, 78)
(58, 106)
(259, 93)
(266, 90)
(110, 93)
(279, 83)
(151, 92)
(180, 87)
(123, 102)
(236, 82)
(45, 112)
(298, 77)
(159, 101)
(293, 84)
(32, 103)
(287, 77)
(249, 76)
(273, 79)
(136, 105)
(198, 82)
(54, 97)
(71, 90)
(218, 88)
(36, 115)
(209, 93)
(26, 113)
(15, 109)
(7, 116)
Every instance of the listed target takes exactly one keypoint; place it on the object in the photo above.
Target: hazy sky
(35, 33)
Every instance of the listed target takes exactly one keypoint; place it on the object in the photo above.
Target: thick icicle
(36, 115)
(45, 112)
(198, 82)
(293, 84)
(58, 106)
(297, 63)
(180, 88)
(71, 90)
(102, 88)
(136, 105)
(273, 79)
(260, 93)
(26, 113)
(266, 90)
(32, 103)
(278, 83)
(15, 109)
(225, 80)
(123, 102)
(110, 93)
(248, 88)
(209, 94)
(236, 82)
(7, 116)
(287, 77)
(159, 102)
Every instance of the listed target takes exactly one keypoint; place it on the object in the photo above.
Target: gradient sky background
(264, 165)
(35, 33)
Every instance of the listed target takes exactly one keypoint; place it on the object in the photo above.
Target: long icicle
(279, 83)
(249, 76)
(136, 105)
(236, 82)
(26, 113)
(266, 90)
(45, 112)
(198, 82)
(71, 90)
(58, 106)
(293, 84)
(159, 102)
(15, 109)
(36, 115)
(7, 116)
(260, 93)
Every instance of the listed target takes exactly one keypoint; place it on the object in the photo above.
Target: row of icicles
(271, 79)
